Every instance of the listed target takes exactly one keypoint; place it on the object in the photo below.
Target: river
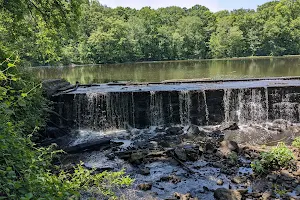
(159, 71)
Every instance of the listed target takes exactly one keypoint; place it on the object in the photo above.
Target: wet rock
(172, 179)
(272, 177)
(226, 194)
(145, 186)
(266, 195)
(194, 131)
(286, 176)
(238, 179)
(187, 196)
(193, 152)
(180, 154)
(54, 132)
(227, 148)
(210, 147)
(242, 191)
(220, 182)
(89, 146)
(136, 157)
(217, 165)
(110, 156)
(297, 190)
(217, 135)
(228, 171)
(145, 171)
(230, 145)
(174, 131)
(231, 127)
(187, 153)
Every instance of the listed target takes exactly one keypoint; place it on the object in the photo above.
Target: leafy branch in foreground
(25, 170)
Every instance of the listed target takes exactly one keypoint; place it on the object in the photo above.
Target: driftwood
(67, 90)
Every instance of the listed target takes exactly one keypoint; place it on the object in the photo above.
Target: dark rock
(225, 194)
(145, 186)
(194, 131)
(231, 127)
(145, 171)
(110, 156)
(180, 154)
(217, 135)
(54, 132)
(173, 179)
(136, 157)
(174, 131)
(89, 146)
(272, 177)
(233, 146)
(209, 147)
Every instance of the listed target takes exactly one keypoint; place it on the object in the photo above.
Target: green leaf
(29, 195)
(24, 94)
(11, 65)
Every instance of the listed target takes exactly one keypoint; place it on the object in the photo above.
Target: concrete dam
(199, 102)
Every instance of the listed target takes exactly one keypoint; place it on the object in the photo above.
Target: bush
(25, 170)
(296, 142)
(279, 157)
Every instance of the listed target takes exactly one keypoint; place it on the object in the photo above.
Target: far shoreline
(171, 61)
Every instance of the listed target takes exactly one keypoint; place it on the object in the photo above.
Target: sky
(213, 5)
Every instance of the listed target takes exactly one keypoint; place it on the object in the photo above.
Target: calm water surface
(160, 71)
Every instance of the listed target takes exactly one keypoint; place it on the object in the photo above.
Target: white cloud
(213, 5)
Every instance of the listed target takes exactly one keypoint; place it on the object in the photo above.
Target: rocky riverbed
(190, 162)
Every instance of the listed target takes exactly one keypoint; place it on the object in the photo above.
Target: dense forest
(106, 35)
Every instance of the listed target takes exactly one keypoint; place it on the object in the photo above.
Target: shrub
(296, 142)
(25, 170)
(279, 157)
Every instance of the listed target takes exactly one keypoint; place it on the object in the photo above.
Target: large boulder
(194, 131)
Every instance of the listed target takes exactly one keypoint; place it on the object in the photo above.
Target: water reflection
(159, 71)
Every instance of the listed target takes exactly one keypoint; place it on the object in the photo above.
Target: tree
(227, 41)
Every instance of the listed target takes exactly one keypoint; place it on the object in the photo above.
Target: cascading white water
(206, 107)
(156, 109)
(286, 109)
(245, 106)
(117, 110)
(184, 107)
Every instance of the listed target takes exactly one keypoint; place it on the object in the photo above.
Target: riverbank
(192, 162)
(171, 61)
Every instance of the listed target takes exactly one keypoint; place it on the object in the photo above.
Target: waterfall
(156, 109)
(245, 105)
(206, 107)
(116, 110)
(286, 108)
(184, 107)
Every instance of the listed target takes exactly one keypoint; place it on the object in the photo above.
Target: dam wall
(120, 105)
